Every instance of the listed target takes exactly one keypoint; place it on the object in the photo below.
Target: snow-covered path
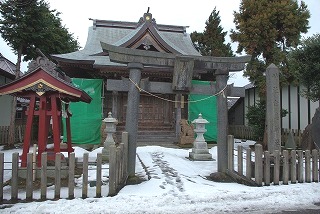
(178, 185)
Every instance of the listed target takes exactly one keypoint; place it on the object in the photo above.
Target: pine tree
(212, 41)
(29, 24)
(266, 29)
(304, 61)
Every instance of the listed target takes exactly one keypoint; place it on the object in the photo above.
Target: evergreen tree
(212, 41)
(29, 24)
(305, 62)
(266, 29)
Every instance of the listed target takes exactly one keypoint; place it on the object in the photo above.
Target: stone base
(200, 157)
(200, 151)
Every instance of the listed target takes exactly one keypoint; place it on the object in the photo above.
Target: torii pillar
(132, 115)
(222, 135)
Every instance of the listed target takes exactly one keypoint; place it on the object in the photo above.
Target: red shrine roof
(43, 78)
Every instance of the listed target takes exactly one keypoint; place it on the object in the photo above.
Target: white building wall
(285, 105)
(313, 108)
(298, 107)
(294, 108)
(304, 119)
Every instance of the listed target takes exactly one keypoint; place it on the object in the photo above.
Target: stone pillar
(109, 130)
(133, 114)
(222, 135)
(273, 109)
(178, 115)
(115, 105)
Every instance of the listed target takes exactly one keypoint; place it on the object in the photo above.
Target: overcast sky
(75, 16)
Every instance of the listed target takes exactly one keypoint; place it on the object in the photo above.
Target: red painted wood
(68, 128)
(67, 90)
(43, 130)
(49, 106)
(56, 119)
(27, 135)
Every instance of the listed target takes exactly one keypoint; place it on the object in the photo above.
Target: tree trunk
(11, 139)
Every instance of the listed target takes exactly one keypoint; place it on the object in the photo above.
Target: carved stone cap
(200, 120)
(44, 63)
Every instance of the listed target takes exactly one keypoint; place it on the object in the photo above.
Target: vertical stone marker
(133, 114)
(273, 109)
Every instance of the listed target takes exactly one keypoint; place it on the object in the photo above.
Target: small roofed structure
(50, 91)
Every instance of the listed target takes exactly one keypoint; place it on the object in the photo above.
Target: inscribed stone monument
(273, 108)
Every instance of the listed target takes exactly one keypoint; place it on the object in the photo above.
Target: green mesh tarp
(207, 107)
(87, 118)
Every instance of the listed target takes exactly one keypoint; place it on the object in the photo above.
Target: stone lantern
(109, 130)
(200, 148)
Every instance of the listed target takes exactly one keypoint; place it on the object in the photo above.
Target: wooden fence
(117, 174)
(287, 166)
(246, 132)
(242, 132)
(4, 134)
(118, 161)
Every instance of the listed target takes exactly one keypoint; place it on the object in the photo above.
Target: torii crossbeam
(185, 67)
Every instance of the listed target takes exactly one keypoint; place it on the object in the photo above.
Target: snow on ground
(177, 185)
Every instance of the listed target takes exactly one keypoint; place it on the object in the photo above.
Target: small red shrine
(50, 91)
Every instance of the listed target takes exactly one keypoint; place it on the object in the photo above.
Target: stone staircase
(157, 138)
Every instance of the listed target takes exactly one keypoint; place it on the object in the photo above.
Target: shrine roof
(7, 68)
(165, 38)
(42, 78)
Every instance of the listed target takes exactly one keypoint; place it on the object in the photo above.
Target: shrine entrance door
(155, 114)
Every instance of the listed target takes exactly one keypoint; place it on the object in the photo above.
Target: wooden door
(154, 113)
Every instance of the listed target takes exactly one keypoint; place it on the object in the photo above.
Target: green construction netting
(86, 118)
(207, 107)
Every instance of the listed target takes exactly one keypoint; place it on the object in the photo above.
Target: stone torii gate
(184, 68)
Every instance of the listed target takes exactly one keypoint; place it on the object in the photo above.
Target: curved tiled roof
(7, 67)
(118, 33)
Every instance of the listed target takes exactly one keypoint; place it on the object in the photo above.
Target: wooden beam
(152, 58)
(166, 88)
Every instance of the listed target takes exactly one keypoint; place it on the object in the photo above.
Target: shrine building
(156, 113)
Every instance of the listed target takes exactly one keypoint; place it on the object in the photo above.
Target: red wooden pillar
(43, 129)
(68, 128)
(56, 120)
(27, 135)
